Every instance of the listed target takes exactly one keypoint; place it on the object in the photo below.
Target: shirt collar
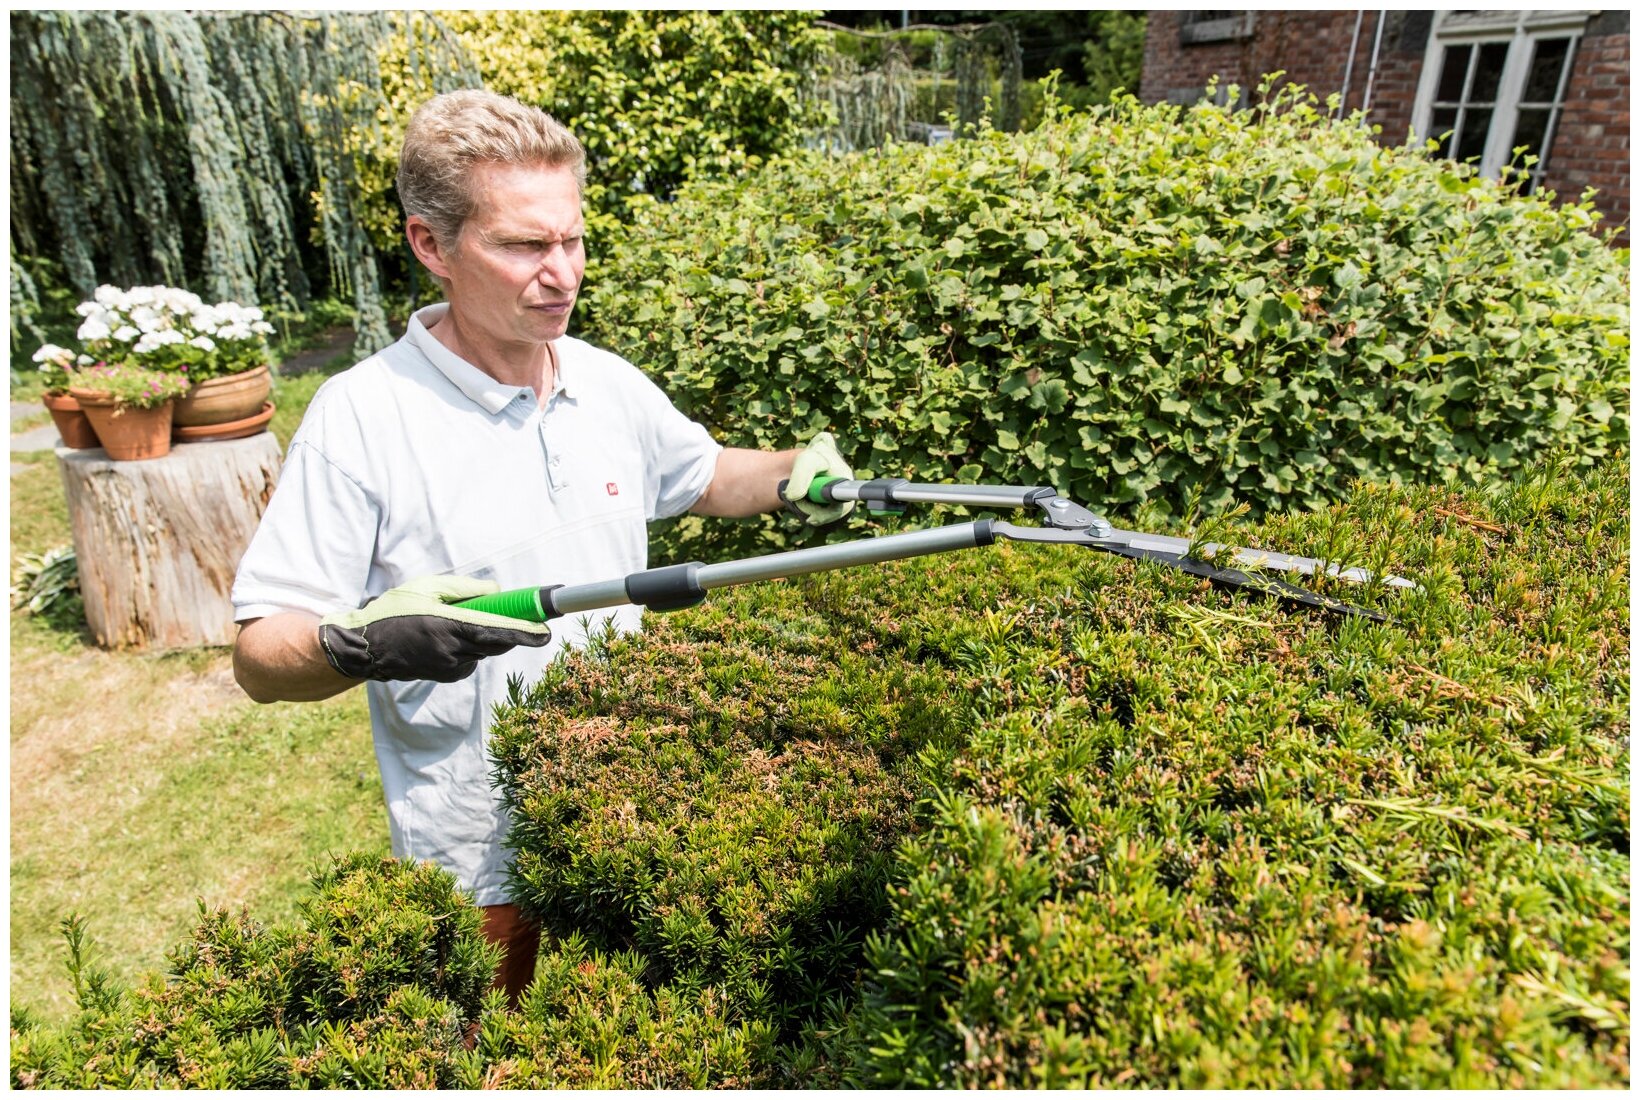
(480, 388)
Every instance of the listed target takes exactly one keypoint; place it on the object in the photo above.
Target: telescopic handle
(675, 586)
(893, 491)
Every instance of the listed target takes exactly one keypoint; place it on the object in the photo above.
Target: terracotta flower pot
(128, 434)
(72, 423)
(222, 400)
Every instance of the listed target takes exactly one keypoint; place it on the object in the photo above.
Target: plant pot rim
(104, 399)
(236, 374)
(90, 397)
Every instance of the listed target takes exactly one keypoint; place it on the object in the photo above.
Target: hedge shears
(1064, 522)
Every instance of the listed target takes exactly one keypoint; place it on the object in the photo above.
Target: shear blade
(1235, 578)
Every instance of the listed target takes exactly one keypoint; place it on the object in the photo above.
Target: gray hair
(451, 133)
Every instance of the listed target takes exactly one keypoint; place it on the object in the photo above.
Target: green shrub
(1229, 846)
(657, 97)
(596, 1020)
(725, 803)
(1025, 816)
(1160, 836)
(373, 990)
(379, 988)
(1133, 304)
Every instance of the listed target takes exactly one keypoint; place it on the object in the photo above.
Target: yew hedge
(1022, 816)
(1134, 304)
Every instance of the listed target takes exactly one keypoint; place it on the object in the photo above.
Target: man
(484, 450)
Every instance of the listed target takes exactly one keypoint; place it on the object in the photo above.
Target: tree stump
(158, 541)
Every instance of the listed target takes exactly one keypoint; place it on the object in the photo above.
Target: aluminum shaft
(792, 563)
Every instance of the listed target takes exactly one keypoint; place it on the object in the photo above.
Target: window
(1495, 81)
(1199, 27)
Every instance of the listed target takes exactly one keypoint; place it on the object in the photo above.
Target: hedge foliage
(370, 991)
(1022, 816)
(1140, 303)
(1160, 835)
(766, 776)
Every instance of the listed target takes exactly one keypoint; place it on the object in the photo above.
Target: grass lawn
(141, 782)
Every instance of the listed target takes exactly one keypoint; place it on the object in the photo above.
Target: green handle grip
(817, 489)
(519, 603)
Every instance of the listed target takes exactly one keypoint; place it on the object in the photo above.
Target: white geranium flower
(147, 319)
(261, 328)
(93, 329)
(167, 336)
(126, 333)
(84, 360)
(181, 301)
(141, 296)
(108, 296)
(235, 331)
(203, 343)
(86, 309)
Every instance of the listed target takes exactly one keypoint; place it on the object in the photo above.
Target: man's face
(517, 264)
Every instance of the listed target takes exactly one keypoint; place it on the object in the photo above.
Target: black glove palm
(413, 633)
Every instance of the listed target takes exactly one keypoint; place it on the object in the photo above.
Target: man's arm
(279, 659)
(416, 631)
(745, 483)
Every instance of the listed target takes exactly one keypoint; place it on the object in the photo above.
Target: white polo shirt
(415, 462)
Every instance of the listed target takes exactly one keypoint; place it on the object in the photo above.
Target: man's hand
(818, 459)
(413, 633)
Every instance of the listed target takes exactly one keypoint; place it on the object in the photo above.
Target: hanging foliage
(869, 82)
(869, 105)
(206, 149)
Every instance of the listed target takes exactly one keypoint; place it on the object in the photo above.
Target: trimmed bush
(1136, 304)
(1160, 835)
(379, 988)
(1024, 816)
(372, 991)
(725, 802)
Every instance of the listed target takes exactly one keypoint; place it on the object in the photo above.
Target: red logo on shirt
(612, 489)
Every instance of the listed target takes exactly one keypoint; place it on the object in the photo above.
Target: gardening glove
(818, 459)
(413, 633)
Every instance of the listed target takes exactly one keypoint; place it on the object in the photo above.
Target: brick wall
(1591, 147)
(1591, 144)
(1312, 48)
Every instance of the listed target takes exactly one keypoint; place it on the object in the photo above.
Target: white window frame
(1521, 29)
